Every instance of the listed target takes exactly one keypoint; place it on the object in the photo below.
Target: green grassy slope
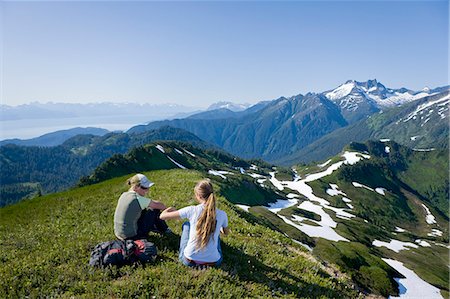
(46, 244)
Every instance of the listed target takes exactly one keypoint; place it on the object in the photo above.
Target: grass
(360, 262)
(46, 243)
(288, 212)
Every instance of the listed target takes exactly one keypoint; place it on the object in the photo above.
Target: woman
(200, 242)
(137, 215)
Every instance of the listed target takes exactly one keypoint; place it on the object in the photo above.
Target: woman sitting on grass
(137, 215)
(200, 246)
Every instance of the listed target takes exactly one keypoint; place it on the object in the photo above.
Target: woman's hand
(170, 213)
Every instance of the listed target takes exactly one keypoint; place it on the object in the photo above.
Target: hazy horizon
(189, 105)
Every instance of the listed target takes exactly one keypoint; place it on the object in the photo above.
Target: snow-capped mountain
(350, 94)
(229, 105)
(358, 100)
(420, 124)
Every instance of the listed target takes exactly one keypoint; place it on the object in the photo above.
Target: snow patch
(160, 148)
(354, 157)
(335, 190)
(435, 233)
(188, 152)
(324, 164)
(412, 286)
(281, 204)
(176, 163)
(423, 149)
(325, 227)
(275, 182)
(325, 232)
(218, 173)
(296, 176)
(255, 175)
(399, 229)
(380, 190)
(395, 245)
(430, 219)
(260, 181)
(358, 185)
(243, 207)
(423, 243)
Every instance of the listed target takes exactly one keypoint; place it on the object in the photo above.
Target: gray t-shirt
(128, 211)
(210, 253)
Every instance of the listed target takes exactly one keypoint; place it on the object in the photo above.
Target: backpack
(121, 253)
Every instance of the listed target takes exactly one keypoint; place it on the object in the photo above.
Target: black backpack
(121, 253)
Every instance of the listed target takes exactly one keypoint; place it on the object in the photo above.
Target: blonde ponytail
(206, 223)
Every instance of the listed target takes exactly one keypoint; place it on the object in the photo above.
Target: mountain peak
(374, 92)
(228, 105)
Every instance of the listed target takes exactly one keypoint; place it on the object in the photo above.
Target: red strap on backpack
(116, 250)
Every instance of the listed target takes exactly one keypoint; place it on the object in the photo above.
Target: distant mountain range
(281, 128)
(50, 110)
(55, 138)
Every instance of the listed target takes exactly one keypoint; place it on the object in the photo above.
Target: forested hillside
(31, 171)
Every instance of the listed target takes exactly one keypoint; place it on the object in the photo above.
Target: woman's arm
(170, 213)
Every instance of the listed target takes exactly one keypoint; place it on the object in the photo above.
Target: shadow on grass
(244, 267)
(250, 268)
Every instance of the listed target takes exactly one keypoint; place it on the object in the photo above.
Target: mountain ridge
(397, 124)
(263, 133)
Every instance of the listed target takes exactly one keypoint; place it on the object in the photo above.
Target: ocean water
(30, 128)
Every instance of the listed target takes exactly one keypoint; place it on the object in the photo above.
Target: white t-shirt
(209, 253)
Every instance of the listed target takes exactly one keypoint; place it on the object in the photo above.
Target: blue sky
(198, 53)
